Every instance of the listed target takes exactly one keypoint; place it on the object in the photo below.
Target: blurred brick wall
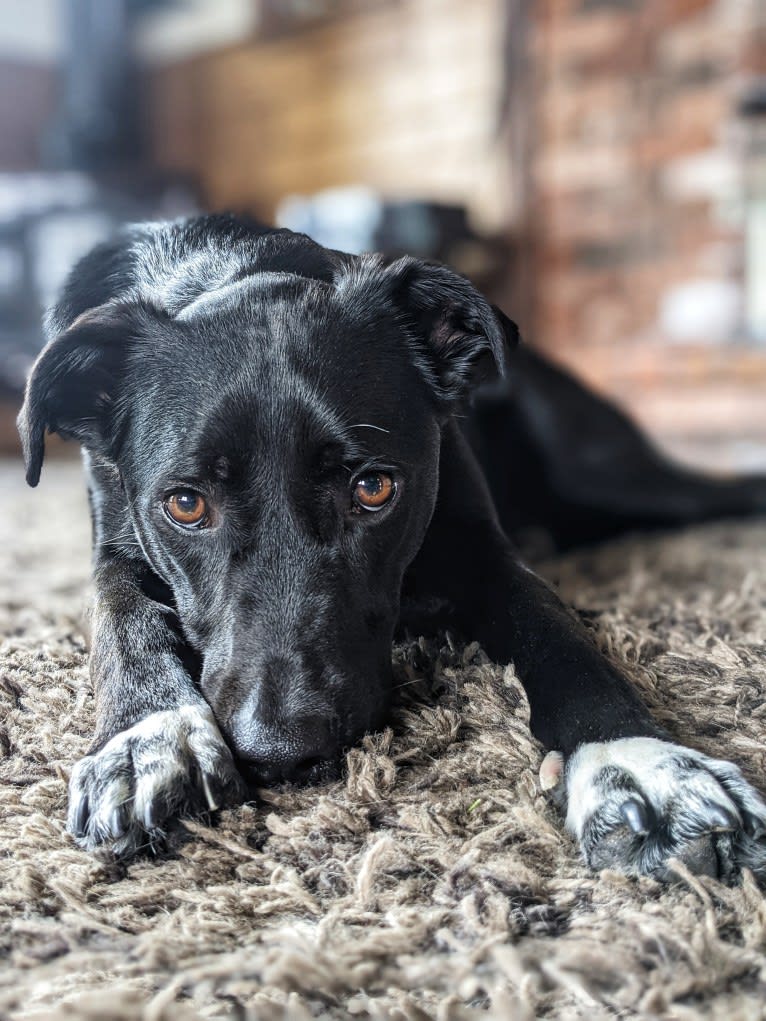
(636, 206)
(401, 97)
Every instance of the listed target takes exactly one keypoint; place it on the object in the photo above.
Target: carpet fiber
(436, 880)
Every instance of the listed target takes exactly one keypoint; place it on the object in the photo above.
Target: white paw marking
(635, 803)
(173, 762)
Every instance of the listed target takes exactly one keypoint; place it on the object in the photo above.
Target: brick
(711, 174)
(588, 6)
(574, 40)
(664, 13)
(684, 43)
(582, 166)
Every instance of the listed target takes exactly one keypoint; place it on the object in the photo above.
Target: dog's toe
(78, 814)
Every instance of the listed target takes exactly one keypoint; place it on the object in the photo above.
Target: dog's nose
(305, 752)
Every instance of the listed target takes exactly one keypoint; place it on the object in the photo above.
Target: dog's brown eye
(186, 508)
(373, 490)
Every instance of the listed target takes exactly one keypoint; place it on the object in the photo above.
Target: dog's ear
(72, 385)
(466, 340)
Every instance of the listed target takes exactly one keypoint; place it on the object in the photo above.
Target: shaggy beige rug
(436, 880)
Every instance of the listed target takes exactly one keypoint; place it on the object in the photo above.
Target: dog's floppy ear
(72, 385)
(466, 340)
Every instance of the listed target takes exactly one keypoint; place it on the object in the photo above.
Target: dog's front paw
(635, 803)
(172, 764)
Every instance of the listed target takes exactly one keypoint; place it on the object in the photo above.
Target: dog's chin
(264, 775)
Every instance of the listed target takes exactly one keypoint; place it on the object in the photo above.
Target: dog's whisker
(367, 425)
(406, 684)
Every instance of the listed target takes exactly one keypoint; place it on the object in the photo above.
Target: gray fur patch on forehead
(167, 266)
(175, 277)
(234, 295)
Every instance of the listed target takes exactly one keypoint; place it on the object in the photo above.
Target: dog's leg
(157, 752)
(635, 799)
(558, 456)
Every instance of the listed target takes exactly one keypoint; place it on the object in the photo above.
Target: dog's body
(291, 452)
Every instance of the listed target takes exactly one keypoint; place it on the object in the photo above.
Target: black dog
(287, 452)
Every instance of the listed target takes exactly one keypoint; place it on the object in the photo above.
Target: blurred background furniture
(598, 167)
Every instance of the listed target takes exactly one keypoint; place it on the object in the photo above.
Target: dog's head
(277, 442)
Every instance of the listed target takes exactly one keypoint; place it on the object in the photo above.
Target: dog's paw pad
(637, 803)
(171, 764)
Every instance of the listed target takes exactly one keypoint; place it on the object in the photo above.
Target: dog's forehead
(296, 397)
(286, 424)
(287, 369)
(278, 320)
